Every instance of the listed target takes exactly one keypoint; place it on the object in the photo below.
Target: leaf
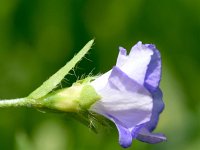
(56, 78)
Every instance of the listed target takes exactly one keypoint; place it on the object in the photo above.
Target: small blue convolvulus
(130, 94)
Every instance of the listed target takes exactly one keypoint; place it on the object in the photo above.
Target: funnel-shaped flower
(130, 94)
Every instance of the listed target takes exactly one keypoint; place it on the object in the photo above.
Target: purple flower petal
(125, 137)
(122, 57)
(137, 63)
(153, 138)
(158, 107)
(152, 80)
(125, 102)
(131, 96)
(101, 81)
(153, 74)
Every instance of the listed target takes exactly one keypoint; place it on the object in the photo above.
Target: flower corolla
(130, 94)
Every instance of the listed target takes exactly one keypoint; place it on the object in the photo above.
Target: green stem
(19, 102)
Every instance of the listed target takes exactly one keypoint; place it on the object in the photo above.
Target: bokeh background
(38, 37)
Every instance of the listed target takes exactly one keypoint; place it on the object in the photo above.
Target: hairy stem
(19, 102)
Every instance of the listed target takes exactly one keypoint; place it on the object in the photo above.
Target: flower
(130, 94)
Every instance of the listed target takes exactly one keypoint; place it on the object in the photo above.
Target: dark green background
(37, 37)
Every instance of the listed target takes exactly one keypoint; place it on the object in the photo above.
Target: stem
(19, 102)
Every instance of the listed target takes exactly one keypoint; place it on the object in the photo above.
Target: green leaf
(56, 78)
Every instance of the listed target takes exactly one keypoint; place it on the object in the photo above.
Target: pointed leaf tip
(56, 78)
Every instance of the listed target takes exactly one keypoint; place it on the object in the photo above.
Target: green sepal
(56, 78)
(88, 97)
(76, 98)
(64, 100)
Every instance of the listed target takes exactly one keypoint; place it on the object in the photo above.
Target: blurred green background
(37, 37)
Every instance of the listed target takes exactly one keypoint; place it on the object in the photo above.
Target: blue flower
(130, 94)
